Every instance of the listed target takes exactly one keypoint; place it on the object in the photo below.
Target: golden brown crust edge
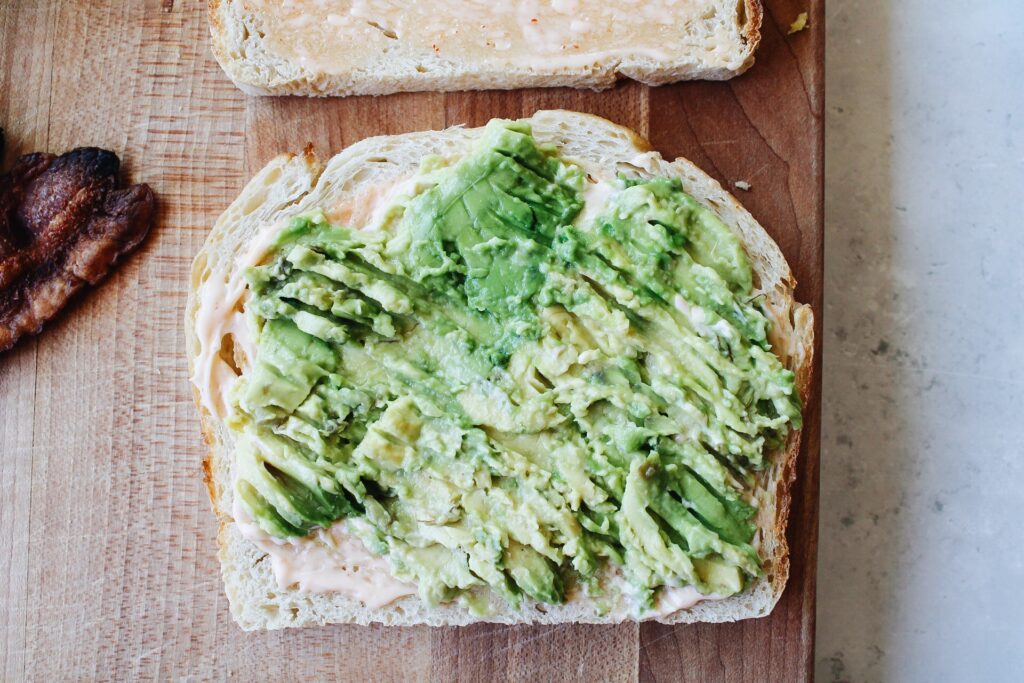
(784, 487)
(752, 29)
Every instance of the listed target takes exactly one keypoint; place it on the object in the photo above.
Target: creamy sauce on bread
(337, 36)
(332, 560)
(673, 599)
(219, 318)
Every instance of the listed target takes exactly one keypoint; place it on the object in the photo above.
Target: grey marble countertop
(921, 563)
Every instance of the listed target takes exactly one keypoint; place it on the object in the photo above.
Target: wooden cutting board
(107, 566)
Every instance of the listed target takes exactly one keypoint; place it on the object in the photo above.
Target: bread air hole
(254, 203)
(632, 170)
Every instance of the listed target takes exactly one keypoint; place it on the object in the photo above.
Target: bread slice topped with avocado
(525, 373)
(373, 47)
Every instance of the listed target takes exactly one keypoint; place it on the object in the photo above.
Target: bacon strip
(63, 225)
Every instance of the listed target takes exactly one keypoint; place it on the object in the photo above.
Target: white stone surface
(921, 564)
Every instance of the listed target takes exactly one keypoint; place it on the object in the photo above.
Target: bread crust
(754, 12)
(291, 184)
(242, 52)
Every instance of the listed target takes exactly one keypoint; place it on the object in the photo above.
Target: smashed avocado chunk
(504, 396)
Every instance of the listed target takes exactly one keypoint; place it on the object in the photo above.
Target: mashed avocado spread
(500, 394)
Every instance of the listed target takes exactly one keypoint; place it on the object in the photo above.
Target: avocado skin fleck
(502, 395)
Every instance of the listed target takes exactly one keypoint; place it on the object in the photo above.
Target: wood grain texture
(765, 128)
(106, 539)
(30, 104)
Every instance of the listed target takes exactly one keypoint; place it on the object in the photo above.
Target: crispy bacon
(63, 225)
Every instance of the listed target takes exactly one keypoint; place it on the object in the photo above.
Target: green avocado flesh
(499, 394)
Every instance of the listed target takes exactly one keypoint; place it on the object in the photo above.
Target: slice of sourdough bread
(373, 47)
(353, 180)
